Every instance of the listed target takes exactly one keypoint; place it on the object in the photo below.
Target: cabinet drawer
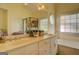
(34, 52)
(44, 44)
(44, 52)
(26, 50)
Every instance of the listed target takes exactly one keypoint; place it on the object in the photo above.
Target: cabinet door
(44, 47)
(44, 52)
(53, 45)
(26, 50)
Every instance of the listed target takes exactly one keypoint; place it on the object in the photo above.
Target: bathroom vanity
(41, 45)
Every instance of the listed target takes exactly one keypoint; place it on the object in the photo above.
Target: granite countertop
(13, 44)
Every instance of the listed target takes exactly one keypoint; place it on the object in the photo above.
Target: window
(47, 26)
(51, 25)
(69, 23)
(44, 24)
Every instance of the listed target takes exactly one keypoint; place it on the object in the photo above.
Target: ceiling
(32, 7)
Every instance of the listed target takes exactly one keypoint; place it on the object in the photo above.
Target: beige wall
(3, 19)
(62, 9)
(16, 12)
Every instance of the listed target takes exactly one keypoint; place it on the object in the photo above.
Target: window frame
(77, 17)
(43, 24)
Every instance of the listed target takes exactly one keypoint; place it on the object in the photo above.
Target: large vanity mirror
(3, 22)
(46, 25)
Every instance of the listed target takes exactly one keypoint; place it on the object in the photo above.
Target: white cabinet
(44, 52)
(44, 47)
(48, 46)
(53, 45)
(26, 50)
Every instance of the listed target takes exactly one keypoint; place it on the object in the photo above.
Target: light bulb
(42, 6)
(39, 8)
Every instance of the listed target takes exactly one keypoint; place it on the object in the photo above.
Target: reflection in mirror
(48, 25)
(3, 22)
